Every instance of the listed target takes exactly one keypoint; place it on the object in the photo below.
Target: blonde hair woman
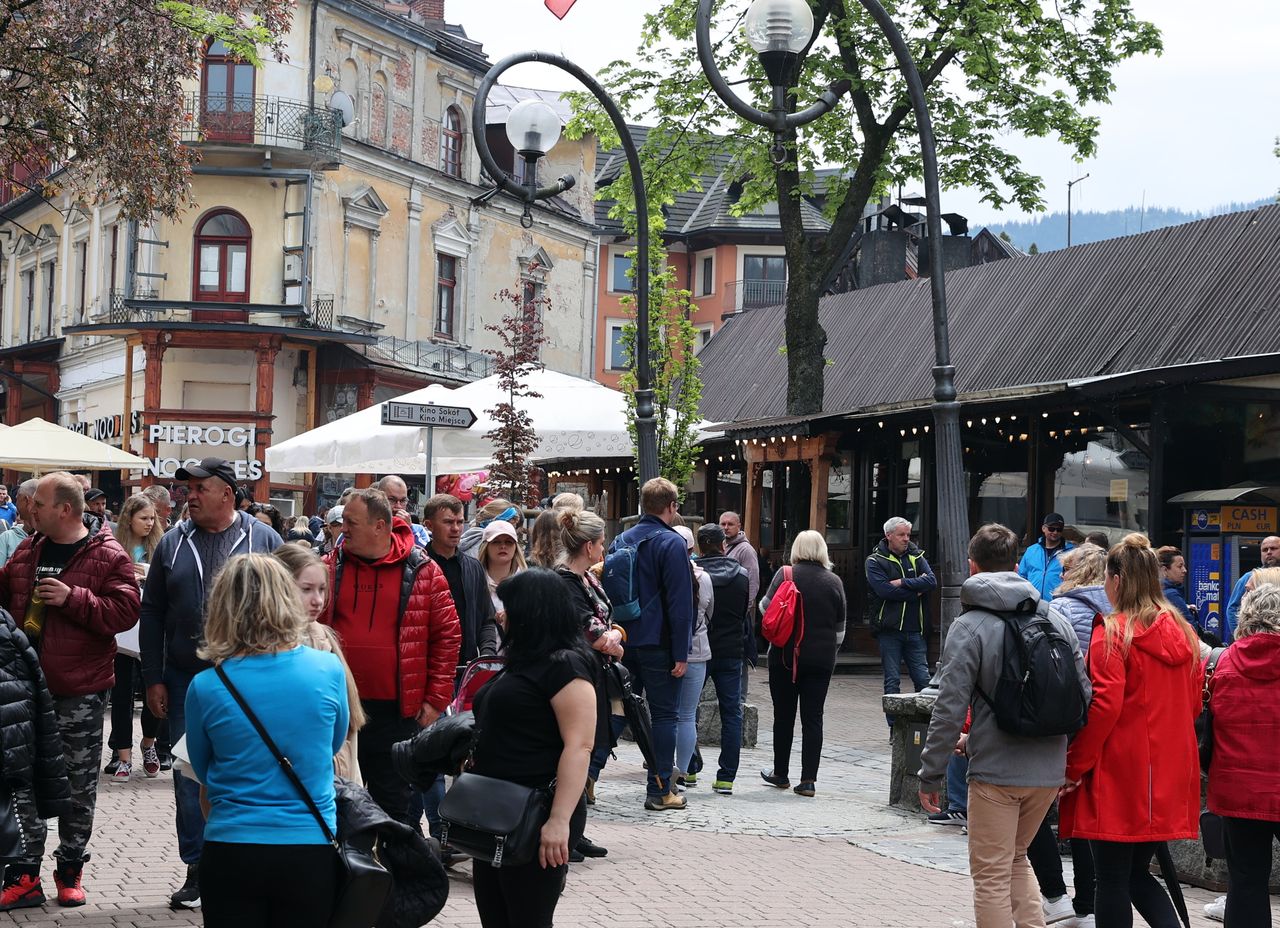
(501, 557)
(1133, 772)
(266, 860)
(1081, 596)
(312, 580)
(492, 512)
(800, 671)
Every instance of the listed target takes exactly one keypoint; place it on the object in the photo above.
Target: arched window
(451, 143)
(222, 258)
(226, 96)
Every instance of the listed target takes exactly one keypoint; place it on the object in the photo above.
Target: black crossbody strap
(283, 761)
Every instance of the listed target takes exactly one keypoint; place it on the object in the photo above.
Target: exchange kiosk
(1223, 532)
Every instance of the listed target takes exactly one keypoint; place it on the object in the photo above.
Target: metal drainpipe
(130, 257)
(306, 238)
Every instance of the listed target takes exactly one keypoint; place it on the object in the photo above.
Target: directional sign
(427, 415)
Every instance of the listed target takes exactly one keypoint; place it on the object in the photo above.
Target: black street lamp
(779, 30)
(533, 128)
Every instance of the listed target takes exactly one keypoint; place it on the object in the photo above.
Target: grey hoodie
(470, 543)
(972, 658)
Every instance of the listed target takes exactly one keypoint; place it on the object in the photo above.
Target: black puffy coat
(30, 745)
(421, 886)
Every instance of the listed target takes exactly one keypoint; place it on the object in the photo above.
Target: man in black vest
(727, 631)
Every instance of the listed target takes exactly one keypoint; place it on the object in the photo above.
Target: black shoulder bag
(365, 884)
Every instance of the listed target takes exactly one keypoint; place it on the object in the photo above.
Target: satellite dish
(341, 104)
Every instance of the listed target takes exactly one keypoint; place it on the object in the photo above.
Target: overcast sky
(1191, 129)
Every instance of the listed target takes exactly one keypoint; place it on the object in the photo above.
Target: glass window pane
(1002, 498)
(215, 87)
(209, 261)
(218, 47)
(621, 269)
(775, 268)
(753, 267)
(617, 352)
(225, 224)
(446, 267)
(1102, 485)
(237, 264)
(243, 88)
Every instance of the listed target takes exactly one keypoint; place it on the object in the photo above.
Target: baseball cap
(93, 493)
(1054, 518)
(333, 516)
(711, 534)
(499, 527)
(687, 534)
(209, 467)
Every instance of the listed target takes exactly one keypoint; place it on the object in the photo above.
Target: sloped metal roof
(1204, 291)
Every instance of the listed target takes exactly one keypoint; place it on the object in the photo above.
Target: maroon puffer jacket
(78, 645)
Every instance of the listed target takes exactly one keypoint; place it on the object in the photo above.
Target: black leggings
(128, 669)
(267, 885)
(1125, 883)
(810, 691)
(1249, 869)
(523, 897)
(1047, 863)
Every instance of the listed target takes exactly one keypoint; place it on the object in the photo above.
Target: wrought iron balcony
(273, 122)
(750, 294)
(447, 361)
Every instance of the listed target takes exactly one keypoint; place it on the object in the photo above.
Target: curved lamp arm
(646, 424)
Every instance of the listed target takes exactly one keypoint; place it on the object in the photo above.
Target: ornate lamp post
(533, 128)
(779, 30)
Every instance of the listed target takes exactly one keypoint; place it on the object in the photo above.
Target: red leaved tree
(513, 435)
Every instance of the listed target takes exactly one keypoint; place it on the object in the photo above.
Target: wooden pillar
(12, 412)
(364, 399)
(153, 346)
(53, 383)
(266, 352)
(752, 492)
(820, 469)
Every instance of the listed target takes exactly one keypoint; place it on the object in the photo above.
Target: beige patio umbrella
(40, 447)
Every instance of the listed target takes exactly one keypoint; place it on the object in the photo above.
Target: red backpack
(785, 616)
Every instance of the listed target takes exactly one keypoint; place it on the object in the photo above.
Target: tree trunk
(806, 340)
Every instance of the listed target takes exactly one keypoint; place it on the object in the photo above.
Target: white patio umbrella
(40, 447)
(574, 418)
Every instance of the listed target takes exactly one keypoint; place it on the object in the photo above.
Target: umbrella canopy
(573, 417)
(41, 447)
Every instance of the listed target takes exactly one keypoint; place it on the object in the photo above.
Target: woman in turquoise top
(138, 531)
(266, 861)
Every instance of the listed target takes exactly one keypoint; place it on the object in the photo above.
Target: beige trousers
(1002, 822)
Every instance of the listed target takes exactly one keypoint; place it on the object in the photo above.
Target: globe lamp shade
(779, 26)
(533, 128)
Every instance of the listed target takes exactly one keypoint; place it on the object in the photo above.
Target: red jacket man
(72, 591)
(390, 605)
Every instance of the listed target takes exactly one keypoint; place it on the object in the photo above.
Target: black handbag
(13, 842)
(365, 884)
(1204, 724)
(494, 821)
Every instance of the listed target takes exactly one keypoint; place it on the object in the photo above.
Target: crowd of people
(331, 640)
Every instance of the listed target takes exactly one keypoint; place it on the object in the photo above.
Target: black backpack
(1039, 692)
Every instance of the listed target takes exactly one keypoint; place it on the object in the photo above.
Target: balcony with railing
(271, 122)
(750, 294)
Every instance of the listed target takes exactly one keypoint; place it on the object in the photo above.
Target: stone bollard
(709, 719)
(911, 712)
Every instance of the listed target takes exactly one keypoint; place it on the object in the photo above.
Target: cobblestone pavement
(761, 857)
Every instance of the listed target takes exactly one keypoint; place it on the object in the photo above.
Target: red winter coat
(428, 634)
(78, 644)
(1244, 779)
(1136, 756)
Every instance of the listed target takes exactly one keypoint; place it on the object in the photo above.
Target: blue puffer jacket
(1043, 570)
(1173, 593)
(1078, 607)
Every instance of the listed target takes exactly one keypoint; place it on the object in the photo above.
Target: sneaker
(21, 888)
(151, 761)
(1217, 909)
(949, 818)
(589, 848)
(1058, 910)
(188, 895)
(690, 779)
(166, 762)
(806, 789)
(112, 766)
(1083, 921)
(575, 856)
(591, 791)
(779, 782)
(667, 802)
(124, 770)
(723, 787)
(66, 876)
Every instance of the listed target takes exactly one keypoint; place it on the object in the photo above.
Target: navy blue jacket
(666, 589)
(1173, 593)
(175, 594)
(898, 608)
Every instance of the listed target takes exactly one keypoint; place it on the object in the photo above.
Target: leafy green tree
(673, 341)
(993, 69)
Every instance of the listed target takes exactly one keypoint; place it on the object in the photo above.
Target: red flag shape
(559, 7)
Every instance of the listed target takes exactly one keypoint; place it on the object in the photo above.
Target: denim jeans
(894, 647)
(725, 674)
(687, 713)
(663, 692)
(958, 784)
(600, 756)
(190, 820)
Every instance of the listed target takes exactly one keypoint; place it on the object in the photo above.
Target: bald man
(1270, 558)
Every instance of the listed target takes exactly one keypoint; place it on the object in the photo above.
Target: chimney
(429, 10)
